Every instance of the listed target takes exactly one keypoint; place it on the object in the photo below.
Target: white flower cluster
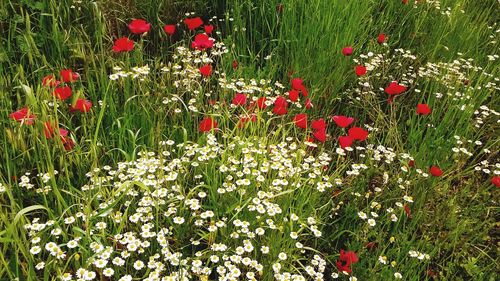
(169, 217)
(140, 72)
(41, 178)
(418, 255)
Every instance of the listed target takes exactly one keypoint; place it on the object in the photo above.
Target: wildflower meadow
(175, 140)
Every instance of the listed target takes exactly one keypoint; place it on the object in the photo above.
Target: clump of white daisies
(245, 210)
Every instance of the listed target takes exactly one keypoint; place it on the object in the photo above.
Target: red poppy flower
(63, 132)
(308, 104)
(139, 26)
(404, 2)
(394, 89)
(349, 257)
(123, 45)
(423, 109)
(342, 121)
(360, 70)
(193, 23)
(347, 51)
(381, 38)
(343, 267)
(345, 141)
(320, 135)
(407, 211)
(411, 163)
(235, 64)
(496, 181)
(357, 133)
(301, 120)
(68, 75)
(50, 81)
(48, 131)
(436, 171)
(345, 261)
(319, 124)
(208, 29)
(169, 29)
(202, 42)
(261, 102)
(239, 99)
(62, 93)
(207, 124)
(297, 84)
(293, 95)
(206, 70)
(23, 116)
(280, 101)
(81, 105)
(280, 110)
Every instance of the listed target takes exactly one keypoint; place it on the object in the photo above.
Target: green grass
(453, 217)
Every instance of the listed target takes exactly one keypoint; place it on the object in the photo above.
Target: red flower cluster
(319, 129)
(140, 26)
(67, 142)
(297, 85)
(25, 117)
(353, 134)
(65, 92)
(61, 92)
(345, 261)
